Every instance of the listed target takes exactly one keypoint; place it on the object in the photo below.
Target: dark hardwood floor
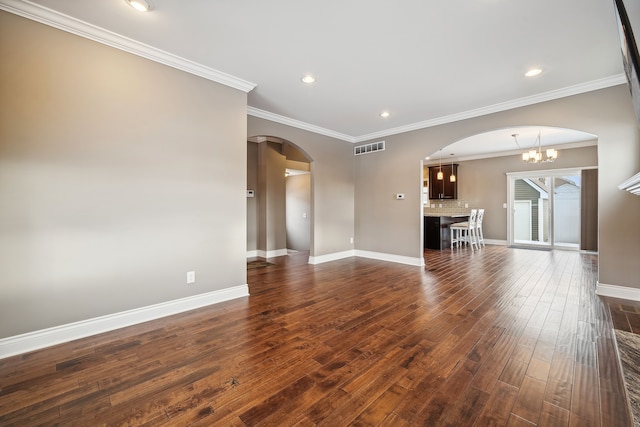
(499, 337)
(625, 314)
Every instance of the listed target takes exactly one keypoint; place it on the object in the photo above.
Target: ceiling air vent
(368, 148)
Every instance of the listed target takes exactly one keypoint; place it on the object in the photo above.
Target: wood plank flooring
(499, 337)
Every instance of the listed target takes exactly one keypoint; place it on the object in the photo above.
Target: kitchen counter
(437, 234)
(463, 215)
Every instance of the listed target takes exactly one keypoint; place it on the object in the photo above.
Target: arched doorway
(279, 209)
(487, 160)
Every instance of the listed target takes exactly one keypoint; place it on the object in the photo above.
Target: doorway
(546, 208)
(279, 208)
(522, 220)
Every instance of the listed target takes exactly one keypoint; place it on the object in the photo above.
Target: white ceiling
(500, 142)
(426, 62)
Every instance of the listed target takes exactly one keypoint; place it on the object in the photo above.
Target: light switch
(191, 277)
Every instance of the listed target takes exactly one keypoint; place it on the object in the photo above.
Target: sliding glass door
(566, 210)
(545, 209)
(531, 209)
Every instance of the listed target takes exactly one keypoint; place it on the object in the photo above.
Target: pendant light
(452, 177)
(440, 175)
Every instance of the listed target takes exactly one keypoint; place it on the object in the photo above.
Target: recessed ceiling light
(385, 114)
(309, 79)
(533, 72)
(139, 5)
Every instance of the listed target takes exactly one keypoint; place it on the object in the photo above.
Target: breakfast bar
(437, 234)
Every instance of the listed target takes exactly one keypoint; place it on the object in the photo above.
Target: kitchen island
(437, 234)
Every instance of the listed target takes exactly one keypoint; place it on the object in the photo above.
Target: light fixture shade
(139, 5)
(535, 156)
(440, 176)
(452, 178)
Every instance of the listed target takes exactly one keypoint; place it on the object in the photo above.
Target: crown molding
(632, 185)
(503, 106)
(80, 28)
(559, 147)
(262, 114)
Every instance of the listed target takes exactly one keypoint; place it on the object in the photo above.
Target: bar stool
(457, 234)
(478, 231)
(464, 232)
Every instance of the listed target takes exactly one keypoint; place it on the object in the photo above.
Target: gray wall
(298, 212)
(383, 223)
(272, 224)
(252, 202)
(332, 219)
(387, 225)
(618, 211)
(485, 181)
(117, 176)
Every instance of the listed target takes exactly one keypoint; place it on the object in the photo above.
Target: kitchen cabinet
(437, 231)
(443, 189)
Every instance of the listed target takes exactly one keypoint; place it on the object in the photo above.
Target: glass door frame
(549, 173)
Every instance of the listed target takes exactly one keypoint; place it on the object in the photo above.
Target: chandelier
(535, 155)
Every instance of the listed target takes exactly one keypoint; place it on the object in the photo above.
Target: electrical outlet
(466, 205)
(350, 239)
(191, 277)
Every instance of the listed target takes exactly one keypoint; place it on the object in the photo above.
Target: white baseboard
(418, 262)
(277, 252)
(30, 341)
(267, 254)
(330, 257)
(615, 291)
(495, 242)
